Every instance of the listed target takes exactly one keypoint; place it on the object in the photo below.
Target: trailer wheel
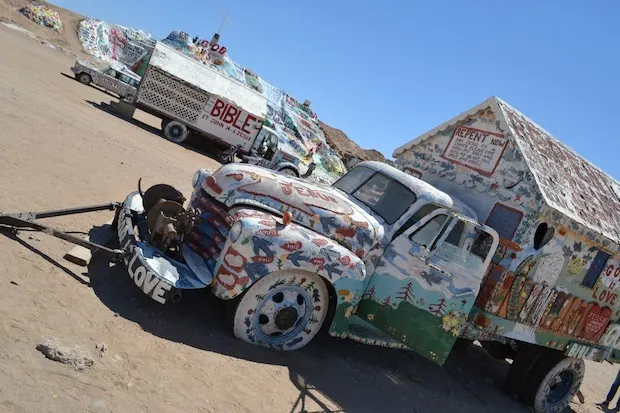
(283, 310)
(521, 367)
(175, 131)
(553, 382)
(84, 78)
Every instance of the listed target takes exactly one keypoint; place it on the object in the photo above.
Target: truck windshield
(388, 198)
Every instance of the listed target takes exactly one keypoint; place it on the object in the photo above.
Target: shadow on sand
(112, 95)
(356, 377)
(202, 146)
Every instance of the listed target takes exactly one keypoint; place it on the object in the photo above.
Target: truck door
(426, 283)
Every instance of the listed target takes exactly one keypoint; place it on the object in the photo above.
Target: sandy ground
(58, 148)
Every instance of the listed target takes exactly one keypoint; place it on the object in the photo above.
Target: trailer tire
(553, 382)
(283, 310)
(176, 131)
(84, 78)
(521, 367)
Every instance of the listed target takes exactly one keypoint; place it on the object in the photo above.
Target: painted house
(556, 276)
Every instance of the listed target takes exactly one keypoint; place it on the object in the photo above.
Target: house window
(596, 268)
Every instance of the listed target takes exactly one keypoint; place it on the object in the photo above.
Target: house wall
(495, 181)
(550, 296)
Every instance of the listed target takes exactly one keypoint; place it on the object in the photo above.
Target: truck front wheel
(553, 383)
(283, 310)
(175, 131)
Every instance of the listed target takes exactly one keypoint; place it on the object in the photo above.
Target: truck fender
(265, 245)
(282, 165)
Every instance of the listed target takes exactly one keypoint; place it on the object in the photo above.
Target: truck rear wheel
(553, 382)
(525, 360)
(283, 310)
(175, 131)
(84, 78)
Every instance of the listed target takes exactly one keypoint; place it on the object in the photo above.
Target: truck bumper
(157, 275)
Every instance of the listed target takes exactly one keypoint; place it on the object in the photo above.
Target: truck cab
(266, 152)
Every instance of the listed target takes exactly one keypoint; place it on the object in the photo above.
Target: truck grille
(170, 96)
(208, 238)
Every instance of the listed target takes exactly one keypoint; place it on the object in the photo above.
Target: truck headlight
(235, 231)
(200, 175)
(195, 178)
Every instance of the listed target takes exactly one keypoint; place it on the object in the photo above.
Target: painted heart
(235, 261)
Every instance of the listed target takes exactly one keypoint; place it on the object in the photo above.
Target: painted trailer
(191, 97)
(550, 296)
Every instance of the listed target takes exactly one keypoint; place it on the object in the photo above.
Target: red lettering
(230, 114)
(302, 191)
(236, 122)
(610, 270)
(247, 122)
(617, 272)
(217, 108)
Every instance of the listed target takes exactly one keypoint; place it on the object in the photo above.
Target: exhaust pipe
(176, 296)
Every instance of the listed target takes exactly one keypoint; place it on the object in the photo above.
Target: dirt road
(58, 148)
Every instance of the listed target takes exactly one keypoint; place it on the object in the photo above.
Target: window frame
(363, 182)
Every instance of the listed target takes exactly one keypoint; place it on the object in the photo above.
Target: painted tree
(386, 303)
(406, 293)
(370, 294)
(439, 308)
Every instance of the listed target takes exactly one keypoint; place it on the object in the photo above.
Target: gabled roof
(568, 182)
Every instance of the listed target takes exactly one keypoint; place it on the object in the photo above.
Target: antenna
(216, 37)
(225, 20)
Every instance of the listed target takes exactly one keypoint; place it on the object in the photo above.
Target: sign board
(229, 123)
(585, 352)
(476, 149)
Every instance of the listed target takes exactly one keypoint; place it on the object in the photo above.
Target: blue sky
(386, 72)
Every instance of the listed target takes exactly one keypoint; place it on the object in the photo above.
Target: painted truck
(380, 257)
(190, 96)
(550, 296)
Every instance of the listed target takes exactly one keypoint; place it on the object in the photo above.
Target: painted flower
(370, 317)
(450, 321)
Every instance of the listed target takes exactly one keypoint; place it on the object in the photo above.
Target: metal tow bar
(14, 221)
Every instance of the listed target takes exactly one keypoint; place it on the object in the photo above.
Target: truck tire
(84, 78)
(553, 382)
(130, 99)
(289, 172)
(521, 366)
(283, 310)
(175, 131)
(497, 350)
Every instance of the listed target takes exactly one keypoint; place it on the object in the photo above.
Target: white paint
(150, 284)
(522, 332)
(549, 268)
(478, 149)
(208, 79)
(229, 123)
(611, 338)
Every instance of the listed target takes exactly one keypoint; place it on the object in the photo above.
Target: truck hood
(320, 208)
